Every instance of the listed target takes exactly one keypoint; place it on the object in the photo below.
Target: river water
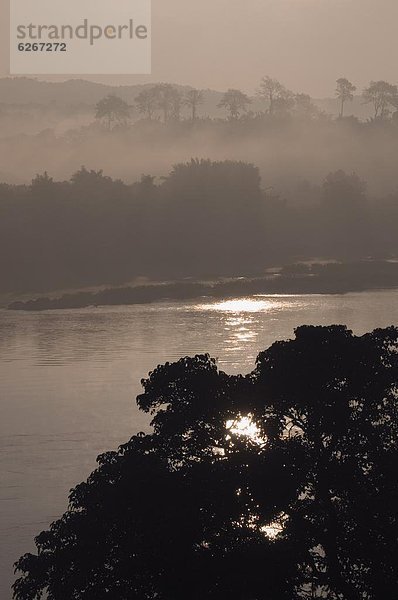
(68, 381)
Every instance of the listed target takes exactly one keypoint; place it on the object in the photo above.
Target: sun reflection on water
(244, 321)
(241, 305)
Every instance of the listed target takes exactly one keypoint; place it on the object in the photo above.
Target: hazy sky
(307, 44)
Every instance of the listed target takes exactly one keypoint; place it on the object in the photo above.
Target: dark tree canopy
(205, 220)
(303, 507)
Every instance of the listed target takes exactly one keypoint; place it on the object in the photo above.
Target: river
(68, 381)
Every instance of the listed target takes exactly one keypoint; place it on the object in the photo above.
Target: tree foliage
(306, 508)
(206, 219)
(235, 101)
(146, 103)
(113, 110)
(275, 94)
(193, 99)
(382, 95)
(344, 92)
(168, 100)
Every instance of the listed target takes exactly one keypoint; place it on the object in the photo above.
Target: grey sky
(307, 44)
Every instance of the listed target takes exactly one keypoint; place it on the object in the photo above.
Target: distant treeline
(206, 219)
(166, 101)
(293, 143)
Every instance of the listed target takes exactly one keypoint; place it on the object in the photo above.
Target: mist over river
(68, 381)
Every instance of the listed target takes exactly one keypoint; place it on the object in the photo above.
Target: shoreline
(326, 279)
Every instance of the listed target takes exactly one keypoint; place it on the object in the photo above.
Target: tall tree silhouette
(146, 102)
(168, 100)
(274, 94)
(344, 92)
(193, 99)
(278, 485)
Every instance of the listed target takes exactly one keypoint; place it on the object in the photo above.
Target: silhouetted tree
(193, 99)
(113, 110)
(209, 208)
(235, 102)
(86, 179)
(42, 181)
(340, 405)
(146, 102)
(344, 92)
(260, 487)
(275, 95)
(176, 104)
(382, 95)
(168, 100)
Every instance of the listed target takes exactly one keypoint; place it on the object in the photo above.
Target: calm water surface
(68, 381)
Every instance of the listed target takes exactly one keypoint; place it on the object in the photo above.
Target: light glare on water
(242, 305)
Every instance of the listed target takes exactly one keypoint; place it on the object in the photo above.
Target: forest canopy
(206, 219)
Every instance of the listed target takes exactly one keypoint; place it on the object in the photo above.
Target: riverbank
(331, 278)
